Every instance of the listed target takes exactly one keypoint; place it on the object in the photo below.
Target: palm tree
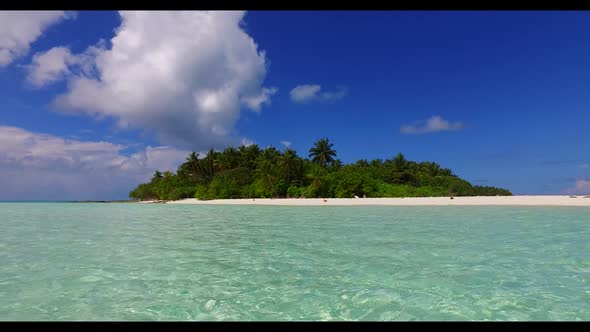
(157, 175)
(315, 175)
(287, 163)
(399, 163)
(270, 153)
(446, 172)
(398, 169)
(265, 171)
(183, 171)
(232, 155)
(249, 154)
(193, 161)
(434, 169)
(376, 163)
(242, 149)
(211, 162)
(362, 163)
(322, 152)
(413, 167)
(222, 162)
(337, 164)
(430, 168)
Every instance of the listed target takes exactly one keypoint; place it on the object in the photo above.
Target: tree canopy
(252, 172)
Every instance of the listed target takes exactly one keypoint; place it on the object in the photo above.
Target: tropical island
(252, 172)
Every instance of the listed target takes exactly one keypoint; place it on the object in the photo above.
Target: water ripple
(162, 262)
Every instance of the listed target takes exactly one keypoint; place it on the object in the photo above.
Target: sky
(92, 102)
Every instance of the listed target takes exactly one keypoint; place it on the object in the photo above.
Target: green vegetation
(251, 172)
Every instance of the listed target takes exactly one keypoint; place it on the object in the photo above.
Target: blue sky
(499, 97)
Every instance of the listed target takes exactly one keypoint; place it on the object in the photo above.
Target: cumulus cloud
(41, 166)
(286, 143)
(433, 124)
(181, 75)
(59, 62)
(19, 29)
(50, 66)
(312, 92)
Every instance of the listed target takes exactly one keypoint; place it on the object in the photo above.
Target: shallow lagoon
(84, 261)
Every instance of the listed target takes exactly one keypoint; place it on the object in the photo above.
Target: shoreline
(549, 200)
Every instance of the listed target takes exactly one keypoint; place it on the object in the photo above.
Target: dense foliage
(252, 172)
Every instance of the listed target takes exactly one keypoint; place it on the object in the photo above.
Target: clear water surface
(78, 261)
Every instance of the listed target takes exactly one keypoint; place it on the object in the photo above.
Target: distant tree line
(252, 172)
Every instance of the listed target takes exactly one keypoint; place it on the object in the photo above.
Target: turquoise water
(75, 261)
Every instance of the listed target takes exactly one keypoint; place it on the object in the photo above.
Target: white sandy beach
(557, 200)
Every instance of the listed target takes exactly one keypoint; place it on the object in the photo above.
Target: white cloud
(255, 102)
(581, 187)
(312, 92)
(305, 93)
(49, 66)
(59, 62)
(40, 166)
(340, 93)
(584, 166)
(19, 29)
(246, 142)
(181, 75)
(286, 143)
(433, 124)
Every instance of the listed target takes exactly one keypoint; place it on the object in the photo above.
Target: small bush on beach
(294, 192)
